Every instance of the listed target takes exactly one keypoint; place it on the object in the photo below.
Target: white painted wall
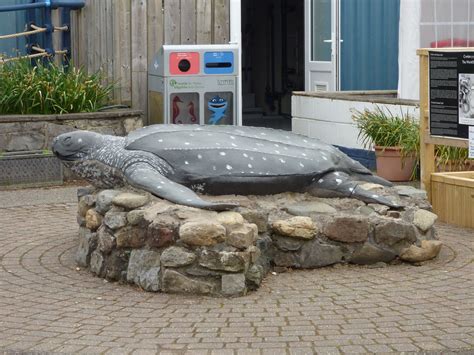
(330, 120)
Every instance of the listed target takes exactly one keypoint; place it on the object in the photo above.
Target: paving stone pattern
(48, 304)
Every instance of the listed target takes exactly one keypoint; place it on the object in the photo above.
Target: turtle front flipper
(340, 184)
(141, 176)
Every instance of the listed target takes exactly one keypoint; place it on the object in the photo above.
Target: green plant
(49, 89)
(452, 158)
(380, 127)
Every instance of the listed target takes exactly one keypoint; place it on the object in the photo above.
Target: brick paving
(48, 305)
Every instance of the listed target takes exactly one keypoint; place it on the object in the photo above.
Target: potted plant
(396, 140)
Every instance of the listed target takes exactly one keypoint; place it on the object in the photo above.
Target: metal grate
(29, 168)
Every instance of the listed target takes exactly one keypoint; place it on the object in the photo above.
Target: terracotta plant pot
(390, 165)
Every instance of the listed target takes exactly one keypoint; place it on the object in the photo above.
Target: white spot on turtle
(303, 154)
(79, 140)
(233, 144)
(375, 196)
(320, 181)
(228, 167)
(351, 189)
(337, 174)
(325, 158)
(188, 200)
(339, 181)
(199, 156)
(250, 166)
(186, 143)
(186, 162)
(251, 158)
(159, 187)
(276, 145)
(245, 155)
(304, 140)
(277, 151)
(302, 165)
(262, 134)
(282, 161)
(222, 153)
(217, 143)
(214, 168)
(232, 137)
(259, 144)
(264, 158)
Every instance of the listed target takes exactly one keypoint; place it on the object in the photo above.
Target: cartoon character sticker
(219, 108)
(184, 108)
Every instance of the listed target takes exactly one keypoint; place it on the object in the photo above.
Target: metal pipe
(70, 4)
(20, 7)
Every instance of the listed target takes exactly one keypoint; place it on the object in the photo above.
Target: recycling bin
(194, 84)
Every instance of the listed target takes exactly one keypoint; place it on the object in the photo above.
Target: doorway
(273, 64)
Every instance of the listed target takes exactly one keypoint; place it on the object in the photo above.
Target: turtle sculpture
(176, 161)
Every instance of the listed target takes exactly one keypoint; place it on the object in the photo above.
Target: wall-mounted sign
(451, 93)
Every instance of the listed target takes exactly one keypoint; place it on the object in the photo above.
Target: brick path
(48, 305)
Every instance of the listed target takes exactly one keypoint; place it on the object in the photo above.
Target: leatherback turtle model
(175, 161)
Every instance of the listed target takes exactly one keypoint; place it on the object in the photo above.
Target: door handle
(330, 41)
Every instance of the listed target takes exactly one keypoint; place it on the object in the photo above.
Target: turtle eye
(67, 140)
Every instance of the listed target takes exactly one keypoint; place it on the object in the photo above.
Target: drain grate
(34, 167)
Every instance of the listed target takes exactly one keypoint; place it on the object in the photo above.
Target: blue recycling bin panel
(194, 84)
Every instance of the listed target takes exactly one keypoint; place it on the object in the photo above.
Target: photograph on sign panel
(466, 99)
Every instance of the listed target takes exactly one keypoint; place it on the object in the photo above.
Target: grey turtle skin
(174, 161)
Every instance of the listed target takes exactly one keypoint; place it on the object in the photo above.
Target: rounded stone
(115, 220)
(129, 200)
(104, 200)
(429, 249)
(202, 233)
(176, 257)
(135, 217)
(93, 219)
(233, 285)
(296, 227)
(347, 229)
(229, 219)
(424, 220)
(243, 236)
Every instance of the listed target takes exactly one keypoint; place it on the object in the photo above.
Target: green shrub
(49, 89)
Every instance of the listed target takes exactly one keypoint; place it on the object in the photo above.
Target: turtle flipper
(339, 184)
(141, 176)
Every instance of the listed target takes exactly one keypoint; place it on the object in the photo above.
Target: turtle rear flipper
(141, 176)
(339, 184)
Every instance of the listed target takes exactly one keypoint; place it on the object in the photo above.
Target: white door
(322, 45)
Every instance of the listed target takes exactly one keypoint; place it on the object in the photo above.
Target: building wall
(121, 37)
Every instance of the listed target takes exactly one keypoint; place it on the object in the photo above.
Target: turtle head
(76, 145)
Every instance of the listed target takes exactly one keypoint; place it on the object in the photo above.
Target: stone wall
(137, 238)
(35, 132)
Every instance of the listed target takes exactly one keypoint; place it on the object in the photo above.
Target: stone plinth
(133, 237)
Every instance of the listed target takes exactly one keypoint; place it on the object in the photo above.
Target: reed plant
(382, 128)
(48, 88)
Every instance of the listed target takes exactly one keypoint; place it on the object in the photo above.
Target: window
(447, 23)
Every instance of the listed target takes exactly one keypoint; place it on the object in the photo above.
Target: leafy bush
(49, 89)
(382, 128)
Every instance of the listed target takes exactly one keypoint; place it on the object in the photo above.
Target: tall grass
(49, 89)
(382, 128)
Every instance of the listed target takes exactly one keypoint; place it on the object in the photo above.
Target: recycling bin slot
(218, 65)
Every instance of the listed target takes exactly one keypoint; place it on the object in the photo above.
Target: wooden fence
(121, 37)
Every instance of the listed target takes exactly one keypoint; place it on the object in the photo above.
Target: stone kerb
(133, 237)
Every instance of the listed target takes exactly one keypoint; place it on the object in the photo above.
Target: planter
(391, 166)
(452, 196)
(453, 166)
